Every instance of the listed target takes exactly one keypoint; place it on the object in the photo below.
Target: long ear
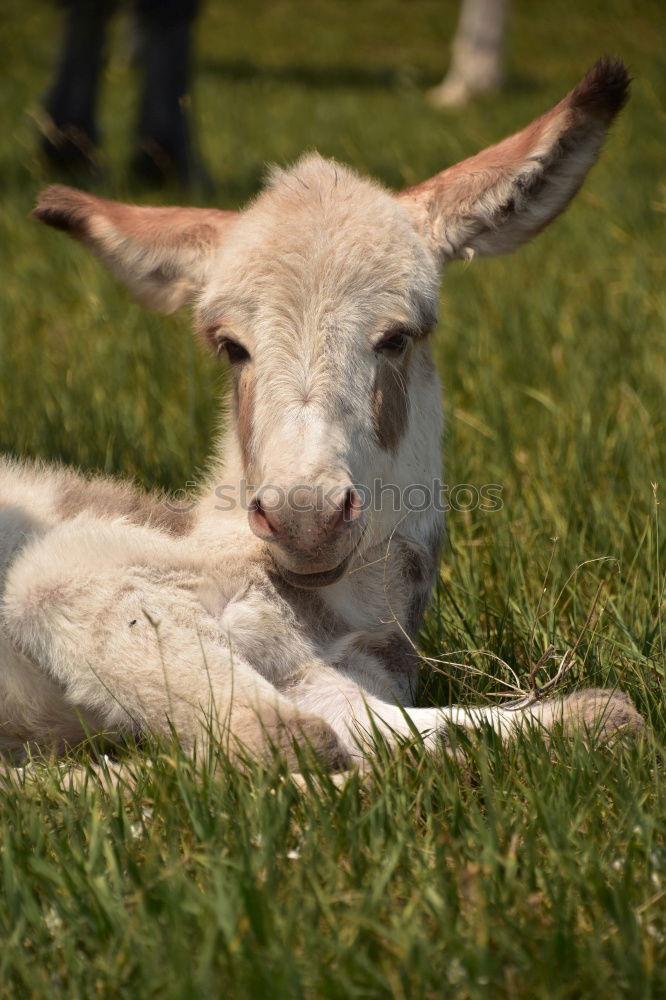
(161, 254)
(496, 201)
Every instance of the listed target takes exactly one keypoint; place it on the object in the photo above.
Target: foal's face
(323, 303)
(322, 294)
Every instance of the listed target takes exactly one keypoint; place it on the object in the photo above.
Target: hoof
(608, 715)
(314, 735)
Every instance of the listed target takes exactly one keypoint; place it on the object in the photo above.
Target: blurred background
(552, 361)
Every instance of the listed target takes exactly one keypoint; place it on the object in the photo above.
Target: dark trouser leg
(70, 129)
(166, 147)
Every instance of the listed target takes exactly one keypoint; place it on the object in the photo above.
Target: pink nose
(308, 524)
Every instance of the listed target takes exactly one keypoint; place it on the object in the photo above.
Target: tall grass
(537, 872)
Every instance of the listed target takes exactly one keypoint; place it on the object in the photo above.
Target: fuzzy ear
(161, 254)
(494, 202)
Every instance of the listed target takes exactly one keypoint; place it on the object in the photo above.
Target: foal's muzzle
(311, 532)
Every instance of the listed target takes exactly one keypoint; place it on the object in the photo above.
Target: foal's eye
(235, 351)
(393, 342)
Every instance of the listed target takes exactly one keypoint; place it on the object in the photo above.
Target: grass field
(534, 872)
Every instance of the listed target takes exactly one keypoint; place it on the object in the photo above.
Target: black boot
(70, 138)
(165, 146)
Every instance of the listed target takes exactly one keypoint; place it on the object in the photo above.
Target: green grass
(533, 872)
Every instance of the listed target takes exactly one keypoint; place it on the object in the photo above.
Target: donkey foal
(281, 607)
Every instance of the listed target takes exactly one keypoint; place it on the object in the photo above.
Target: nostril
(260, 521)
(350, 510)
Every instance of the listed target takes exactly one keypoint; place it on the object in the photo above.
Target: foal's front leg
(125, 633)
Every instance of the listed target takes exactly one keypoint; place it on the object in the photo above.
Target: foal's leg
(128, 640)
(354, 713)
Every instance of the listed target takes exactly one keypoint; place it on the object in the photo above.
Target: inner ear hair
(160, 253)
(496, 201)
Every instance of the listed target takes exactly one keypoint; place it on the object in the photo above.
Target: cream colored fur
(120, 617)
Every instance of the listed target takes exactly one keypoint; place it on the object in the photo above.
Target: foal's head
(322, 295)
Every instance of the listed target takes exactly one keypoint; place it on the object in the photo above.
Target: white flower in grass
(53, 921)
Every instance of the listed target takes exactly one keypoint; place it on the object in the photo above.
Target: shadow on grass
(338, 76)
(332, 77)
